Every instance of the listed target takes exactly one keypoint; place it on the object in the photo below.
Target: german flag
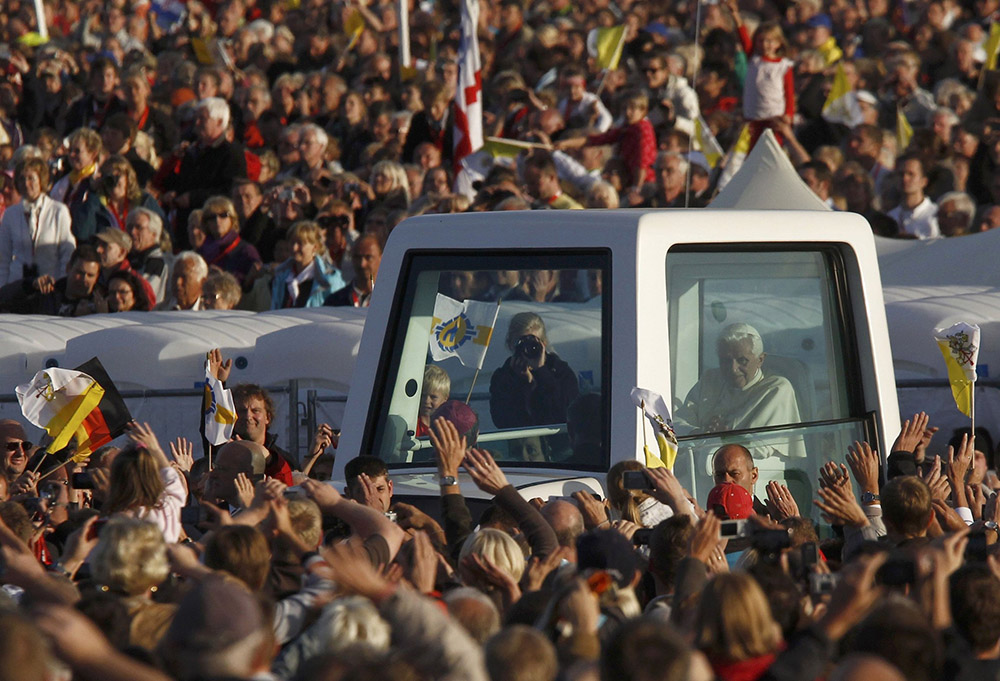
(108, 419)
(81, 403)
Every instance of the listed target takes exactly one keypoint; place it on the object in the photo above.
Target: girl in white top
(769, 90)
(36, 235)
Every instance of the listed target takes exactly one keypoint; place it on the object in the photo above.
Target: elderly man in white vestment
(740, 394)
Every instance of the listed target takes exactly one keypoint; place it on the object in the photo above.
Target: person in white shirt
(582, 109)
(36, 237)
(916, 213)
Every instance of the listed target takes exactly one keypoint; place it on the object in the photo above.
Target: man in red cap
(729, 501)
(734, 463)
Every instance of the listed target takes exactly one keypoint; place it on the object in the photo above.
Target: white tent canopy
(767, 180)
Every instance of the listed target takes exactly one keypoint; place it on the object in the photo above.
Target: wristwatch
(870, 498)
(992, 525)
(448, 481)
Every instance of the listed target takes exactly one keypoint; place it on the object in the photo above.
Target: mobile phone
(82, 480)
(636, 480)
(733, 528)
(641, 536)
(95, 529)
(822, 584)
(810, 554)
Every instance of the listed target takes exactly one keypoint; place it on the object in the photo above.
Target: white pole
(43, 28)
(404, 33)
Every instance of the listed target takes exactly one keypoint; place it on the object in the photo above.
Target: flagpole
(475, 376)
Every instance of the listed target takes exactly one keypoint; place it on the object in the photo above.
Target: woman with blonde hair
(144, 485)
(306, 278)
(73, 189)
(390, 185)
(634, 505)
(130, 562)
(223, 247)
(735, 629)
(491, 549)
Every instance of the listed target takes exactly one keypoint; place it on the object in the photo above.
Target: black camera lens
(529, 347)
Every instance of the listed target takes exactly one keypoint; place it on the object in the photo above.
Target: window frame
(416, 261)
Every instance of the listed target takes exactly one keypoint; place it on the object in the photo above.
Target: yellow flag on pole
(959, 345)
(607, 44)
(655, 409)
(992, 47)
(706, 143)
(842, 103)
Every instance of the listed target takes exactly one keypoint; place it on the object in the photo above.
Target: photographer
(534, 386)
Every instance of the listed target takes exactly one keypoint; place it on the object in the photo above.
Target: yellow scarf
(75, 176)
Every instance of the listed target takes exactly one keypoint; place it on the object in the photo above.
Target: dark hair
(86, 253)
(898, 632)
(640, 646)
(820, 170)
(372, 466)
(142, 301)
(906, 505)
(667, 545)
(974, 592)
(241, 551)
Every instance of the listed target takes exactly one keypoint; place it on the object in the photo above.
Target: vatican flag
(960, 346)
(462, 330)
(904, 131)
(842, 104)
(655, 409)
(218, 411)
(605, 45)
(705, 142)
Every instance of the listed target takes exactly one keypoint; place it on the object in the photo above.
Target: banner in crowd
(468, 136)
(842, 104)
(655, 409)
(959, 345)
(218, 410)
(462, 330)
(81, 403)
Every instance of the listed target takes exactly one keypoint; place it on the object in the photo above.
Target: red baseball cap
(730, 500)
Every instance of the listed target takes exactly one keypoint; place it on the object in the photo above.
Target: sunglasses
(23, 445)
(216, 216)
(334, 221)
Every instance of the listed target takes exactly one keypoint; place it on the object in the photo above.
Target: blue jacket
(326, 279)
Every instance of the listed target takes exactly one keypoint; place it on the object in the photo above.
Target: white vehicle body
(646, 323)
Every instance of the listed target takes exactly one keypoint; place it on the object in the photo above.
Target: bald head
(865, 668)
(566, 519)
(233, 459)
(734, 463)
(15, 448)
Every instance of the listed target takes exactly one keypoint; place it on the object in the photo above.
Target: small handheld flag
(904, 131)
(462, 330)
(218, 410)
(605, 44)
(959, 345)
(655, 409)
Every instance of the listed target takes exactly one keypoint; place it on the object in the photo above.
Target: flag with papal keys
(218, 411)
(705, 142)
(462, 330)
(842, 103)
(79, 403)
(904, 131)
(605, 45)
(468, 134)
(959, 344)
(655, 409)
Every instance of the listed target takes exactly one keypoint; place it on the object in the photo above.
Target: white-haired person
(187, 281)
(739, 394)
(145, 226)
(209, 167)
(313, 141)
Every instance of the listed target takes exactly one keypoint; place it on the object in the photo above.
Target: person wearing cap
(739, 395)
(730, 501)
(113, 245)
(822, 40)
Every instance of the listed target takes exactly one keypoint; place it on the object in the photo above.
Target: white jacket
(49, 246)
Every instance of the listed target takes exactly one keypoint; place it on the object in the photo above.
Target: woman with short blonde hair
(306, 278)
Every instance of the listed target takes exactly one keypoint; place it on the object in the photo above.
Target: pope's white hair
(737, 333)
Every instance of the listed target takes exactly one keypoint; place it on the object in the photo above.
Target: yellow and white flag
(904, 131)
(737, 155)
(842, 104)
(959, 344)
(992, 47)
(218, 411)
(59, 400)
(462, 330)
(605, 45)
(705, 142)
(654, 407)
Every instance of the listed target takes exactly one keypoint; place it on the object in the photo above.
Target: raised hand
(911, 433)
(218, 367)
(244, 490)
(449, 445)
(484, 471)
(864, 461)
(840, 507)
(182, 452)
(780, 502)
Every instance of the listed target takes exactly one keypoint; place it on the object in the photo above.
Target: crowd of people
(135, 564)
(264, 151)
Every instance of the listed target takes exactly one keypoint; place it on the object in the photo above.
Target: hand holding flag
(218, 407)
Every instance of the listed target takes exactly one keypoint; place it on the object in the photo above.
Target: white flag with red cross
(468, 135)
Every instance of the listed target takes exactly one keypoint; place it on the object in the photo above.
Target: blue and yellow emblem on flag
(462, 330)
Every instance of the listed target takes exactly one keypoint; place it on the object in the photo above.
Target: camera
(529, 347)
(770, 543)
(641, 536)
(82, 480)
(899, 570)
(733, 528)
(822, 584)
(636, 480)
(287, 195)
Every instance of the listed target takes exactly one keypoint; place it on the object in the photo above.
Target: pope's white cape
(462, 330)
